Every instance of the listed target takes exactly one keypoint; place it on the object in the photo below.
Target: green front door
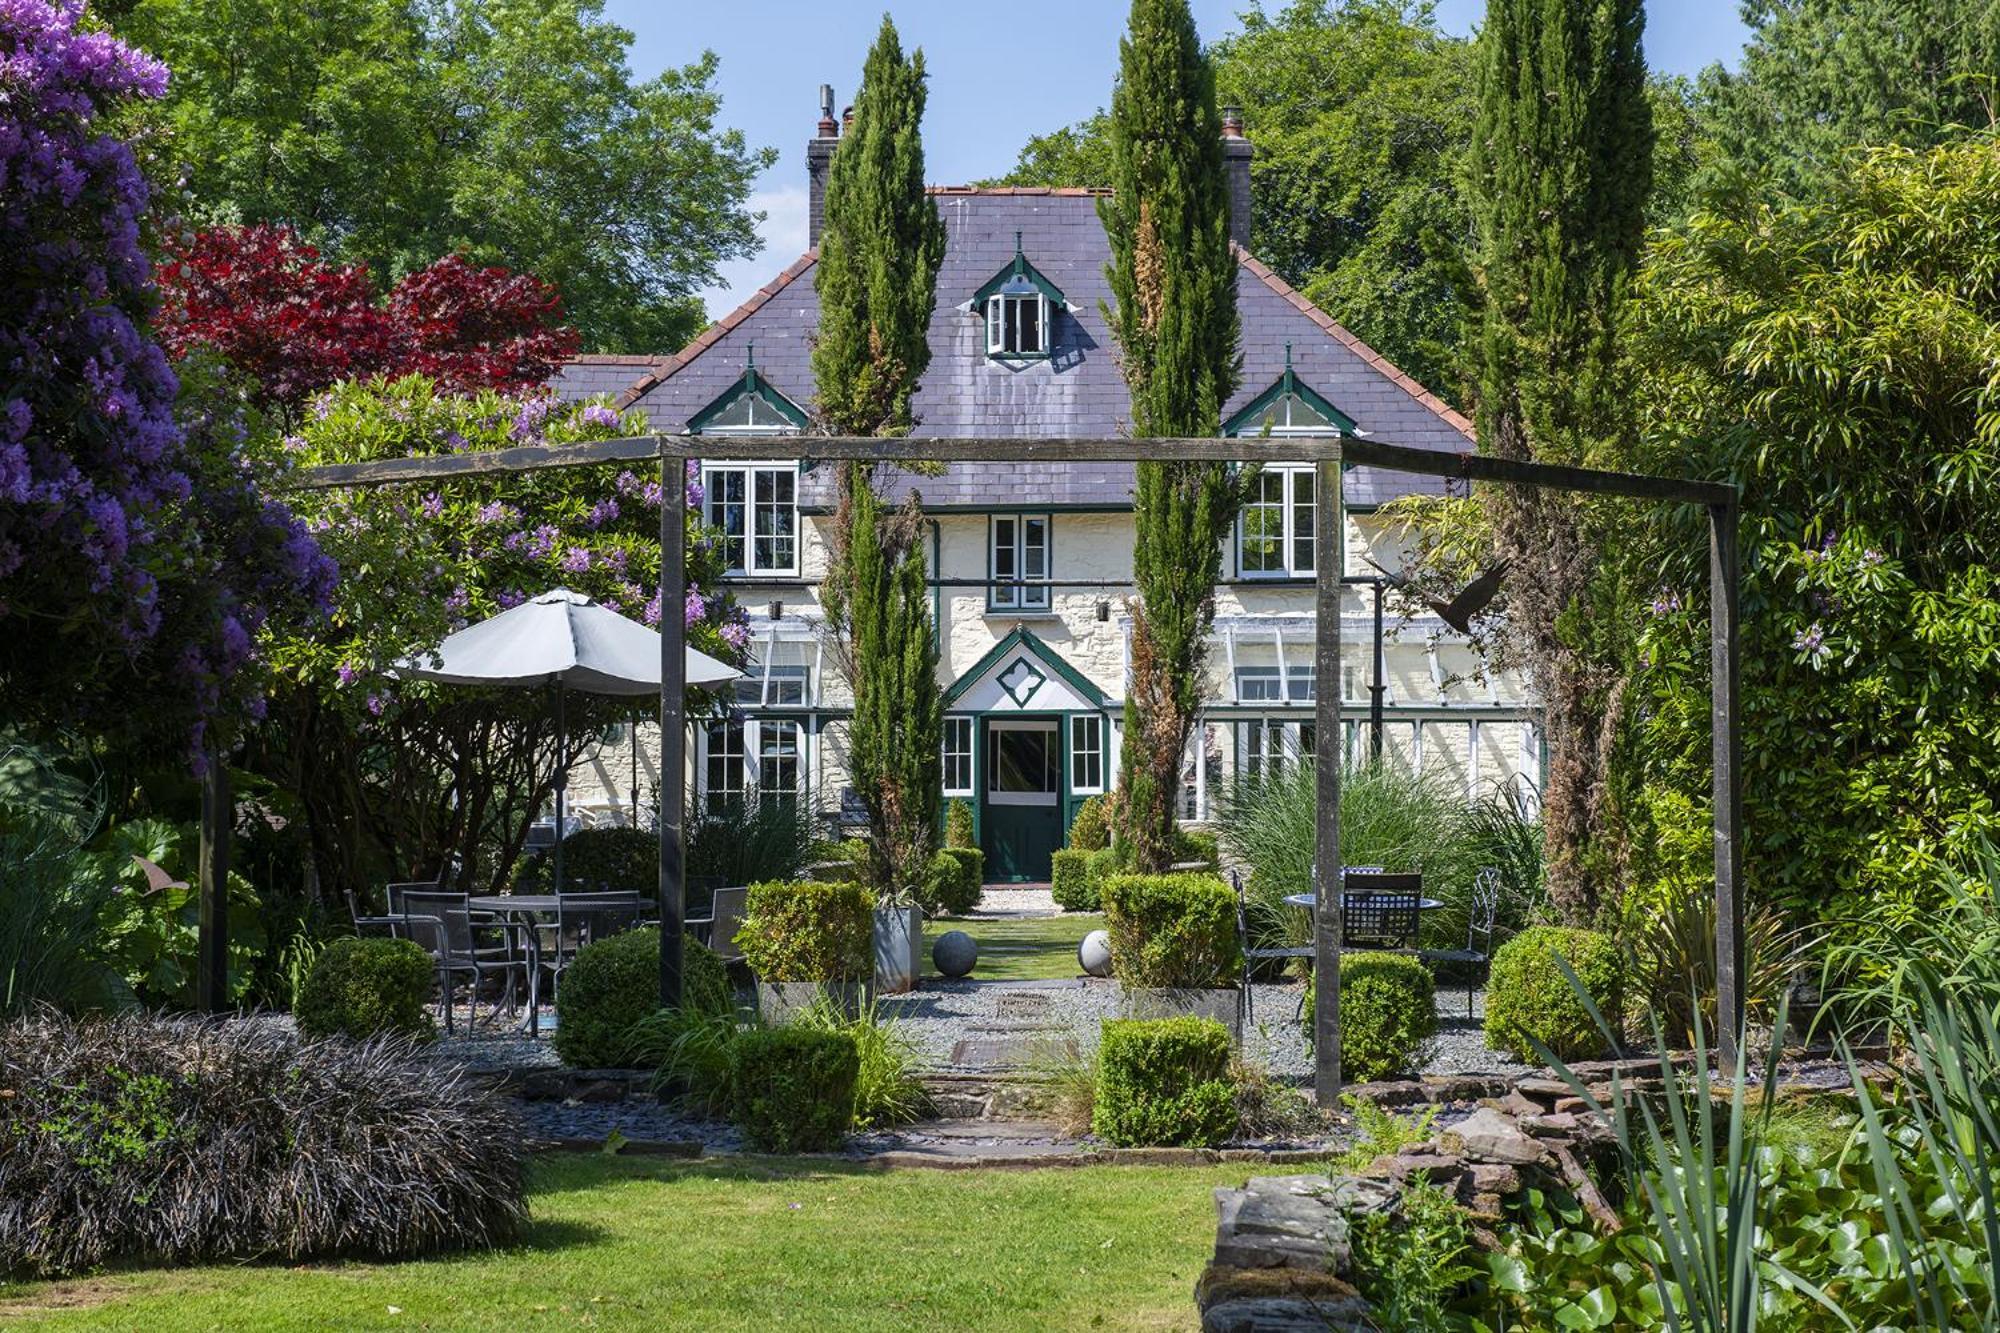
(1021, 798)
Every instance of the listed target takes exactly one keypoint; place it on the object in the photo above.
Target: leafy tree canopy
(1819, 76)
(390, 132)
(1839, 358)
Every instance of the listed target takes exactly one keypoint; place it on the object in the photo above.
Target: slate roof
(1077, 391)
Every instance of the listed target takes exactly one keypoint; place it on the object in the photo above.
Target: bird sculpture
(1470, 601)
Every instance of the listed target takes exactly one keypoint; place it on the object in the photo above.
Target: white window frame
(1297, 523)
(754, 511)
(1005, 342)
(710, 794)
(1021, 561)
(749, 756)
(1086, 743)
(956, 754)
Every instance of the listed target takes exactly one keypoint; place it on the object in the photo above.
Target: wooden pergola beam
(1330, 456)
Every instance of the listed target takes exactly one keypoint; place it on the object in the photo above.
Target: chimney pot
(819, 158)
(1236, 154)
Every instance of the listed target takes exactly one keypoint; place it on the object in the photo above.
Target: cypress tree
(1173, 283)
(1561, 166)
(877, 283)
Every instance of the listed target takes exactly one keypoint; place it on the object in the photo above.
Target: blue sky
(999, 72)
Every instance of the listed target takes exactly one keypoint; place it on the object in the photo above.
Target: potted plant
(899, 942)
(805, 938)
(1174, 949)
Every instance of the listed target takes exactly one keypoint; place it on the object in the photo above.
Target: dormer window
(751, 406)
(754, 506)
(1275, 530)
(1019, 306)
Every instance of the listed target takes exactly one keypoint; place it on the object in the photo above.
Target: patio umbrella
(564, 641)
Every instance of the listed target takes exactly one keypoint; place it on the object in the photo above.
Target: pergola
(672, 453)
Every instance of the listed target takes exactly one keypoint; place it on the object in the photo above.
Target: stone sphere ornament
(1093, 955)
(955, 953)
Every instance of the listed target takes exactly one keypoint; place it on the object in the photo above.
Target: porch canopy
(1326, 453)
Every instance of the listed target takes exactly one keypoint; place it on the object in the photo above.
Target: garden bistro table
(1351, 896)
(532, 909)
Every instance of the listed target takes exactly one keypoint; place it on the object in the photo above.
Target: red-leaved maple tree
(294, 324)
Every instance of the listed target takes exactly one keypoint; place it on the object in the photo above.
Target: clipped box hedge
(613, 984)
(360, 988)
(1528, 998)
(794, 1087)
(805, 930)
(1388, 1015)
(1164, 1082)
(1070, 880)
(956, 881)
(1172, 931)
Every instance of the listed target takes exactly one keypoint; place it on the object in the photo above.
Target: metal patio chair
(1251, 957)
(1380, 911)
(1477, 954)
(463, 944)
(725, 917)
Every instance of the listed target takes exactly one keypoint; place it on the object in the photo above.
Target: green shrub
(1528, 996)
(1164, 1083)
(748, 840)
(613, 984)
(1197, 845)
(794, 1087)
(1070, 882)
(171, 1142)
(887, 1090)
(612, 860)
(1090, 831)
(359, 988)
(1388, 1015)
(969, 881)
(809, 931)
(1411, 1262)
(1176, 931)
(958, 825)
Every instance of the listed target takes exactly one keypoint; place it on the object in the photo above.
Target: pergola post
(1724, 652)
(211, 966)
(1329, 564)
(673, 723)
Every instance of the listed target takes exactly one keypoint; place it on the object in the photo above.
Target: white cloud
(784, 230)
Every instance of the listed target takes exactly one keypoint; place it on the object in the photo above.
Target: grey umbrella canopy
(563, 641)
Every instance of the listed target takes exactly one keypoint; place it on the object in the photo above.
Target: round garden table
(1309, 901)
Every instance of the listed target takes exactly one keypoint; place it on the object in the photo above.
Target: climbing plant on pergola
(1328, 455)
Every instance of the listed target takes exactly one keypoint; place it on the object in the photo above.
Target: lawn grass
(1033, 948)
(751, 1244)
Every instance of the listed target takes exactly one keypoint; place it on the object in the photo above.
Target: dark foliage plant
(794, 1088)
(359, 988)
(749, 841)
(612, 859)
(809, 931)
(1176, 931)
(177, 1141)
(1164, 1083)
(612, 985)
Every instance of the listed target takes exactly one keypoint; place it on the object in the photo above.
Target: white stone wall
(1438, 697)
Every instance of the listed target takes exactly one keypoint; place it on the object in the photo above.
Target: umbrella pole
(562, 781)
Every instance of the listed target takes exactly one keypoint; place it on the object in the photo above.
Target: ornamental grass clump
(804, 930)
(1164, 1082)
(180, 1141)
(1172, 931)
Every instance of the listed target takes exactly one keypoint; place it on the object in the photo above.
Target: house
(1033, 671)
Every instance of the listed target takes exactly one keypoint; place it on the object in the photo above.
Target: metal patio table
(531, 908)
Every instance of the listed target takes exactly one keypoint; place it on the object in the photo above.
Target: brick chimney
(819, 158)
(1236, 154)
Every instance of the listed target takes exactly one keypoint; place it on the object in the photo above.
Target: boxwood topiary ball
(955, 953)
(1093, 954)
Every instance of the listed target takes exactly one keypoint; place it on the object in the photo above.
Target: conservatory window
(958, 756)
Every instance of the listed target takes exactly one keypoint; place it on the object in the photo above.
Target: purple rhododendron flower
(651, 615)
(345, 674)
(604, 511)
(375, 705)
(432, 506)
(697, 606)
(736, 634)
(511, 598)
(542, 542)
(529, 420)
(598, 414)
(576, 560)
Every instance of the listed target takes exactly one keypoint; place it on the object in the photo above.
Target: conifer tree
(1560, 171)
(877, 283)
(1173, 284)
